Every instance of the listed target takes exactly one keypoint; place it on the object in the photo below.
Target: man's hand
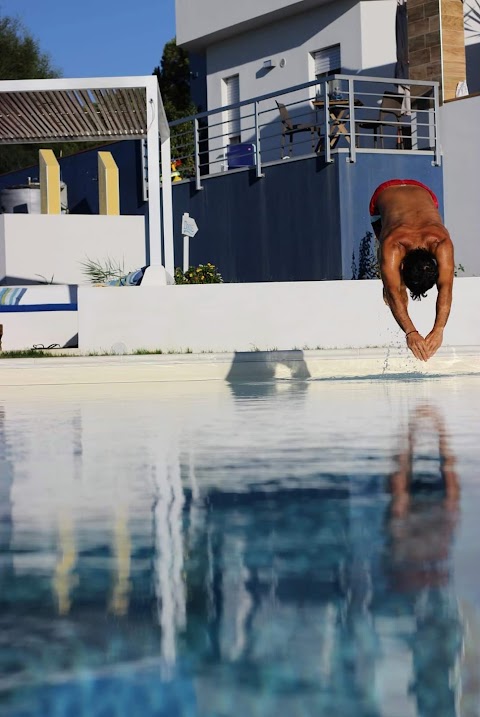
(418, 346)
(434, 341)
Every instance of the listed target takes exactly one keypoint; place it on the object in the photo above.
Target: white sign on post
(189, 226)
(189, 229)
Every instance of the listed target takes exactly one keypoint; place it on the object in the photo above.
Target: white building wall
(33, 246)
(39, 328)
(365, 32)
(459, 123)
(265, 316)
(199, 20)
(293, 40)
(378, 37)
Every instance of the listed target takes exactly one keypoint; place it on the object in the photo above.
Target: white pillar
(153, 151)
(167, 205)
(159, 272)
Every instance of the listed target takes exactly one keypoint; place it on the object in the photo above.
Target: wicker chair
(289, 128)
(391, 104)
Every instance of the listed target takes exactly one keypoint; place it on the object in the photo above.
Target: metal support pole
(436, 126)
(196, 135)
(167, 206)
(328, 158)
(353, 130)
(186, 252)
(258, 158)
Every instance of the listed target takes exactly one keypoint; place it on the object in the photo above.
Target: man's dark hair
(420, 272)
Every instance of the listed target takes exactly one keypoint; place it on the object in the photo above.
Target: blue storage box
(241, 155)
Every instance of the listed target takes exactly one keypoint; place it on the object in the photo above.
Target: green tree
(20, 54)
(174, 79)
(22, 59)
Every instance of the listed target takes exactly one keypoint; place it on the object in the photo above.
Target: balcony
(340, 115)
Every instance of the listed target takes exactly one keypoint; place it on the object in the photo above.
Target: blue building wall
(302, 221)
(283, 227)
(358, 181)
(80, 173)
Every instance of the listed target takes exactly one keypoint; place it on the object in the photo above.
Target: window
(327, 61)
(232, 95)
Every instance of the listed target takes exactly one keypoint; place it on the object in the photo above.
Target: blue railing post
(198, 183)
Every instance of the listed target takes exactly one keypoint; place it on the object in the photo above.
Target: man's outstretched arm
(396, 295)
(446, 269)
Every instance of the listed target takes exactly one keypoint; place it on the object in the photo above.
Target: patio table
(339, 114)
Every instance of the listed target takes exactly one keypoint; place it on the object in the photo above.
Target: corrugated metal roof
(60, 115)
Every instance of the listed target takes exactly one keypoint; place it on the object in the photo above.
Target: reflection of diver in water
(422, 520)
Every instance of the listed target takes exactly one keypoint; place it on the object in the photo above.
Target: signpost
(189, 229)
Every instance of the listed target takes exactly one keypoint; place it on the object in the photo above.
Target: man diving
(415, 252)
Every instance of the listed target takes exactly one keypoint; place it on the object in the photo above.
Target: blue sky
(100, 38)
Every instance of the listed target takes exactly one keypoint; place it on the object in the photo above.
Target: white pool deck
(239, 366)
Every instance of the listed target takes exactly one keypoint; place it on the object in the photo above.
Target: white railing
(332, 115)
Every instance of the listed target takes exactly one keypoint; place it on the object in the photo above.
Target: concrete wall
(33, 246)
(357, 183)
(302, 221)
(365, 31)
(245, 317)
(197, 23)
(44, 315)
(460, 120)
(283, 227)
(377, 33)
(80, 174)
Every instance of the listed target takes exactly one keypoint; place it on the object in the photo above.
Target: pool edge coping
(238, 366)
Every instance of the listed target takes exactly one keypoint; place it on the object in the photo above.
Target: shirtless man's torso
(410, 221)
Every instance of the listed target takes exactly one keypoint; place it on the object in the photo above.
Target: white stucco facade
(364, 30)
(459, 121)
(264, 316)
(237, 37)
(265, 47)
(37, 248)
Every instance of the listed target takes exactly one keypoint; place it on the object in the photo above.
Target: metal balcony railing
(332, 115)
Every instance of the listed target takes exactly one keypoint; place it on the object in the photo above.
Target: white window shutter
(233, 96)
(327, 61)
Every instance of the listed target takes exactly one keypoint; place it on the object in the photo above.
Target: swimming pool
(213, 550)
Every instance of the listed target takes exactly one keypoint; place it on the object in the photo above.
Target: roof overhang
(200, 25)
(78, 110)
(98, 109)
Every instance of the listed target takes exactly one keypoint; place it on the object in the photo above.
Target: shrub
(367, 260)
(201, 274)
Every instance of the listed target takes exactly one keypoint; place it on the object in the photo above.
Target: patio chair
(391, 104)
(289, 128)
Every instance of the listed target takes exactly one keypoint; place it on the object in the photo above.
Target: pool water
(213, 550)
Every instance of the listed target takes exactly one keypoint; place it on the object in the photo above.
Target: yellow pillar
(123, 549)
(49, 182)
(64, 579)
(108, 184)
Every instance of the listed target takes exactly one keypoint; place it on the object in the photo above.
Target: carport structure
(94, 110)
